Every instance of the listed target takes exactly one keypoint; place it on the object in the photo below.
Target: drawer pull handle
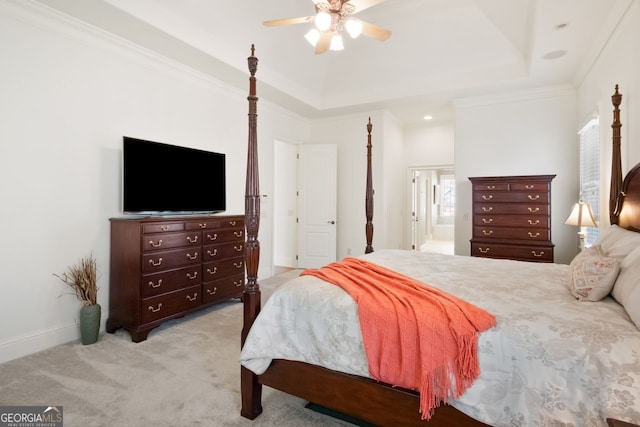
(212, 237)
(193, 298)
(193, 239)
(238, 283)
(535, 197)
(165, 227)
(194, 256)
(232, 223)
(487, 232)
(155, 310)
(491, 187)
(155, 245)
(203, 225)
(238, 233)
(155, 264)
(536, 222)
(212, 253)
(534, 209)
(529, 187)
(537, 254)
(489, 197)
(484, 250)
(237, 248)
(154, 285)
(212, 292)
(238, 264)
(487, 221)
(487, 209)
(190, 277)
(214, 271)
(533, 236)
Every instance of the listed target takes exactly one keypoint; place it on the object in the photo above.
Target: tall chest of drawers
(163, 268)
(512, 217)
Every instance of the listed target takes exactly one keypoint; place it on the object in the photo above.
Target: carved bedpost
(616, 161)
(251, 388)
(368, 202)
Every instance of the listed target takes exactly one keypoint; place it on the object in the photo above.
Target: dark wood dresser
(512, 217)
(162, 268)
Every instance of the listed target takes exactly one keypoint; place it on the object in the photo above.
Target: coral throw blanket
(415, 336)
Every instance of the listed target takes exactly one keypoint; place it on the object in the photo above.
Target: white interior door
(317, 184)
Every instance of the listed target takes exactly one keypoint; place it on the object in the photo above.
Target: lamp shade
(582, 215)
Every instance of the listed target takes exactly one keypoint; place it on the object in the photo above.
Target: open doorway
(432, 211)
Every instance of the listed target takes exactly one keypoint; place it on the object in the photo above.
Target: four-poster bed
(344, 386)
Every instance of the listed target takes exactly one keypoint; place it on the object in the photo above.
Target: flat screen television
(167, 179)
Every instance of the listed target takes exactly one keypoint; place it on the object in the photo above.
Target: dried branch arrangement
(83, 279)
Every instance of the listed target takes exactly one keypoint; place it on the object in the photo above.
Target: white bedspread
(549, 361)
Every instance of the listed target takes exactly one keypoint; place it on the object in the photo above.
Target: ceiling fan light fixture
(353, 27)
(312, 36)
(336, 42)
(322, 20)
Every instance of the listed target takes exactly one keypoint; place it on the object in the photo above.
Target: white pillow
(617, 242)
(592, 275)
(627, 287)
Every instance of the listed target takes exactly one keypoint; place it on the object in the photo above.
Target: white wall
(523, 133)
(429, 145)
(618, 63)
(69, 94)
(349, 133)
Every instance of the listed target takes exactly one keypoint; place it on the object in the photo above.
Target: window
(448, 196)
(590, 172)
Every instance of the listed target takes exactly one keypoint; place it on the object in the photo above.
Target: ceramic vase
(89, 323)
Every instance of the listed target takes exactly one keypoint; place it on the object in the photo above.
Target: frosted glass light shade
(313, 36)
(322, 21)
(353, 27)
(336, 42)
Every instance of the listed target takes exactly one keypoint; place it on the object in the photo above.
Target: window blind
(590, 172)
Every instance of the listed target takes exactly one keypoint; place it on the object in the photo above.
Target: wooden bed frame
(358, 397)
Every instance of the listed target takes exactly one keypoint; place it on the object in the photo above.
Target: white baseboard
(41, 340)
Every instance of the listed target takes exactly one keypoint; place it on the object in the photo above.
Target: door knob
(331, 222)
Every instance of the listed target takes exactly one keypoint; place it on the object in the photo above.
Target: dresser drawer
(225, 250)
(218, 269)
(162, 227)
(511, 209)
(510, 197)
(517, 252)
(154, 242)
(491, 186)
(164, 305)
(222, 236)
(223, 289)
(526, 221)
(167, 281)
(530, 186)
(215, 223)
(165, 260)
(530, 234)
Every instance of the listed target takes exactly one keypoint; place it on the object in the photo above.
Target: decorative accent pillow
(627, 287)
(617, 242)
(592, 275)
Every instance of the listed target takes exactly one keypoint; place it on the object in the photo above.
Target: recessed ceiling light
(428, 117)
(555, 54)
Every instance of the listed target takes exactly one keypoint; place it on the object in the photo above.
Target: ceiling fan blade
(360, 5)
(375, 32)
(323, 42)
(288, 21)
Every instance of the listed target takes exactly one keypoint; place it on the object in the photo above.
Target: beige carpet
(185, 374)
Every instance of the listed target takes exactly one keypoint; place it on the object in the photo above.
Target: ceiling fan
(332, 16)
